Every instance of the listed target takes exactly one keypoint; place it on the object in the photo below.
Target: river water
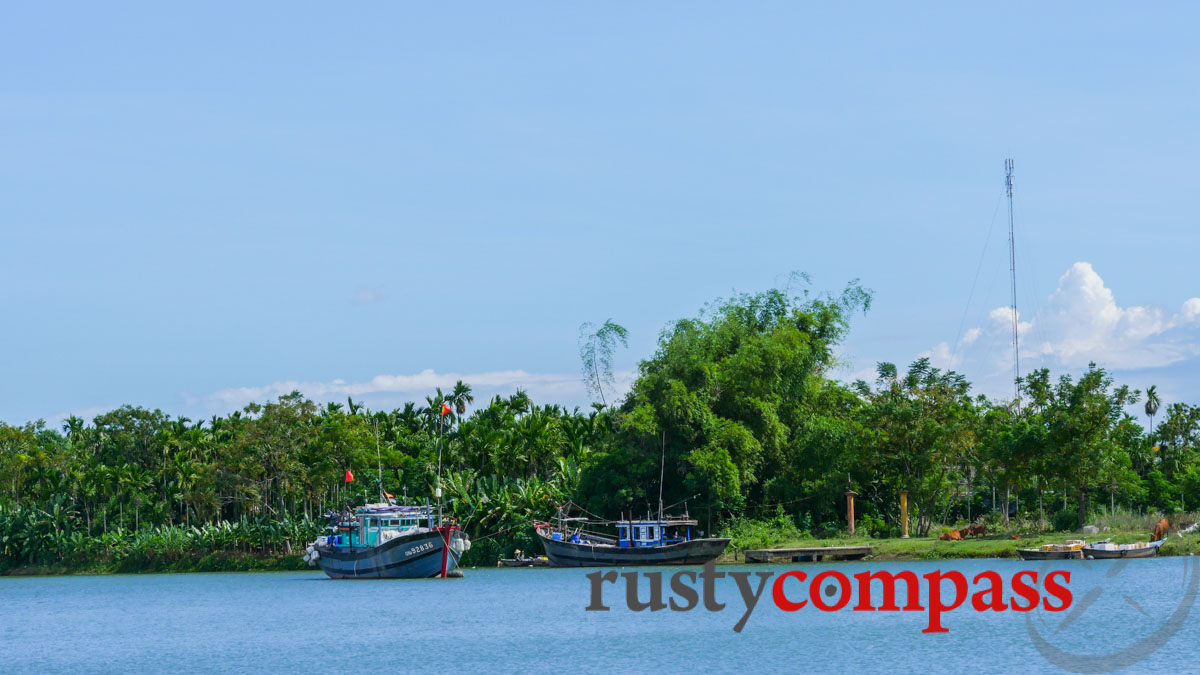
(1137, 614)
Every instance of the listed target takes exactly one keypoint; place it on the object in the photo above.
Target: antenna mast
(1012, 271)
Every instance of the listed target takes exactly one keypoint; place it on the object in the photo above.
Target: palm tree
(520, 403)
(73, 427)
(461, 397)
(431, 412)
(1152, 403)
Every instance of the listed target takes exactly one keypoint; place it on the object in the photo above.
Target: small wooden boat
(1103, 551)
(1039, 554)
(540, 561)
(1072, 550)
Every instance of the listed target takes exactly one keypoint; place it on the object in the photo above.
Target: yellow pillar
(850, 509)
(904, 514)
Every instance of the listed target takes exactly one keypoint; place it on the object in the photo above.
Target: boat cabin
(654, 532)
(374, 524)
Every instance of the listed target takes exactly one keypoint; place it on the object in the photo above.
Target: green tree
(1081, 425)
(919, 429)
(721, 398)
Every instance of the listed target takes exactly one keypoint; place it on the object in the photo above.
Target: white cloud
(1080, 322)
(1191, 309)
(1001, 320)
(561, 388)
(942, 356)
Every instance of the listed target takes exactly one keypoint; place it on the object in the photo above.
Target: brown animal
(952, 535)
(975, 530)
(1160, 530)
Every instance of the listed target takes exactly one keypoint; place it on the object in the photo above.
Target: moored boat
(1072, 550)
(386, 541)
(662, 541)
(539, 561)
(1104, 550)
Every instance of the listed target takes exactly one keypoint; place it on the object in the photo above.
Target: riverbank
(991, 546)
(915, 548)
(212, 562)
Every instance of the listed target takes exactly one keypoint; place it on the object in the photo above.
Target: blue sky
(203, 206)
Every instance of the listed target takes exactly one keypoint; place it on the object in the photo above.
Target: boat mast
(1012, 272)
(662, 463)
(378, 461)
(438, 492)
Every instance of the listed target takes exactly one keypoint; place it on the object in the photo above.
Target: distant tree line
(738, 404)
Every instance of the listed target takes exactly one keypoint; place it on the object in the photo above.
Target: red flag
(389, 495)
(349, 476)
(445, 408)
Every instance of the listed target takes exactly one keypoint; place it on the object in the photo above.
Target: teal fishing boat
(389, 541)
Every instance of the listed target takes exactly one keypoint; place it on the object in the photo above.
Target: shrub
(746, 533)
(1065, 520)
(873, 526)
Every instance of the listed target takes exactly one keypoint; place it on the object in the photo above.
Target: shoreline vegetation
(896, 549)
(738, 407)
(887, 550)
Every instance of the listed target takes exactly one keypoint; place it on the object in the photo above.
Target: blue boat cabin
(654, 532)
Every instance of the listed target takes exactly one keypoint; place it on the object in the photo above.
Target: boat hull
(1038, 554)
(410, 556)
(567, 554)
(1099, 554)
(524, 562)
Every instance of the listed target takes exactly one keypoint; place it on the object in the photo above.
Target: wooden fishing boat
(665, 540)
(661, 541)
(1071, 550)
(387, 541)
(538, 561)
(1103, 551)
(1039, 554)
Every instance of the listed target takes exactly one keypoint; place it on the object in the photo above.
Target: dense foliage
(736, 411)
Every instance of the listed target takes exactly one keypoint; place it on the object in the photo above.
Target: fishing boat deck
(809, 554)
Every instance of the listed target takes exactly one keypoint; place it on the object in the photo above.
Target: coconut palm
(73, 428)
(1152, 403)
(461, 397)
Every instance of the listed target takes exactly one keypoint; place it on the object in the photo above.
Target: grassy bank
(994, 546)
(147, 552)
